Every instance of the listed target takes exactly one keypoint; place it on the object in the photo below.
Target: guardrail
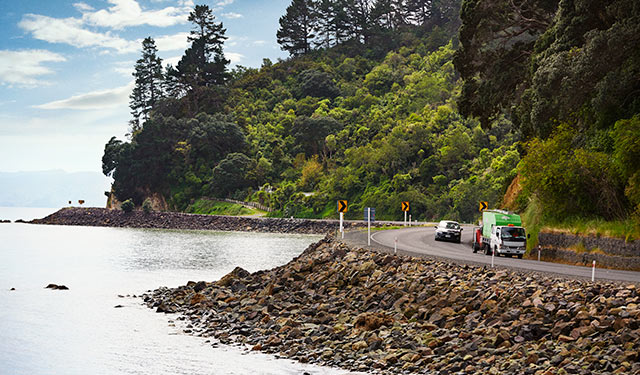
(250, 204)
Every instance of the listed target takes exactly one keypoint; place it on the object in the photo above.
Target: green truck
(501, 233)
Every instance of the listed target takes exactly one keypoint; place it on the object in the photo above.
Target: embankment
(583, 250)
(102, 217)
(362, 310)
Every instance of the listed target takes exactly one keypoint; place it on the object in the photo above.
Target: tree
(497, 38)
(203, 63)
(296, 27)
(148, 84)
(230, 174)
(310, 133)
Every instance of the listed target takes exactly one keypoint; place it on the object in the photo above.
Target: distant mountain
(53, 188)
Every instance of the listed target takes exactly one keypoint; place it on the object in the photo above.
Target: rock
(12, 289)
(372, 321)
(117, 306)
(56, 287)
(199, 286)
(365, 311)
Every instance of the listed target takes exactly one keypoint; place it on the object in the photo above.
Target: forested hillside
(568, 75)
(366, 109)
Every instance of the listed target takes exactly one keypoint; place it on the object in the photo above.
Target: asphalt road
(420, 241)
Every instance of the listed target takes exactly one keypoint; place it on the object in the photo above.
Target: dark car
(448, 231)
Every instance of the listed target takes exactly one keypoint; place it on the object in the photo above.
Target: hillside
(397, 104)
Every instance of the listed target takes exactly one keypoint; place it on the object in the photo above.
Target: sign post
(342, 208)
(368, 226)
(405, 208)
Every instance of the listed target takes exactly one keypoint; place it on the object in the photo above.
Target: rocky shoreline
(103, 217)
(367, 311)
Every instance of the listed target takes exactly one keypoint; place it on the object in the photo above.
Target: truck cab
(508, 240)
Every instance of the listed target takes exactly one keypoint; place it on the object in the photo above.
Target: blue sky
(65, 69)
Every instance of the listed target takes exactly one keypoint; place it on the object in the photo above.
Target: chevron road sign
(483, 206)
(342, 206)
(405, 206)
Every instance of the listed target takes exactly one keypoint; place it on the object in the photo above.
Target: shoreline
(360, 310)
(103, 217)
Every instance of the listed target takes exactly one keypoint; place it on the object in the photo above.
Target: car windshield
(453, 226)
(512, 233)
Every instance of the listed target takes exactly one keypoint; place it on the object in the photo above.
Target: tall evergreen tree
(325, 27)
(296, 27)
(203, 63)
(148, 84)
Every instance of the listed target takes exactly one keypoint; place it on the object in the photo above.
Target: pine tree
(296, 27)
(148, 84)
(203, 63)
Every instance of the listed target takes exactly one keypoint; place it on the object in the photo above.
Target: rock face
(607, 252)
(103, 217)
(362, 310)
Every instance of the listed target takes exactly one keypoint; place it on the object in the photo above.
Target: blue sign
(373, 213)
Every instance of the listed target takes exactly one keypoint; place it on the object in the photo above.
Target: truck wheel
(486, 250)
(474, 248)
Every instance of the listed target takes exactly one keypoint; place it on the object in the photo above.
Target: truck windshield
(453, 226)
(511, 233)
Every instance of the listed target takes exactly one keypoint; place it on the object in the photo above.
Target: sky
(65, 69)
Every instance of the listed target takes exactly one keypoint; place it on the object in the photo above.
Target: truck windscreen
(510, 233)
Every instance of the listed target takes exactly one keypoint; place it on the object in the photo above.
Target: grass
(212, 207)
(387, 227)
(534, 222)
(623, 229)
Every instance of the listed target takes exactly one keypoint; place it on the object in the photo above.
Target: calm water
(79, 331)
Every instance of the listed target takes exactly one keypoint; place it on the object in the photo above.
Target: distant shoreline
(102, 217)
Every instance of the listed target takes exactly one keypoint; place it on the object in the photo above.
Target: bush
(127, 206)
(147, 206)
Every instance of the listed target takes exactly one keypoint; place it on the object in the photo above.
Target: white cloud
(101, 99)
(234, 57)
(173, 61)
(83, 7)
(259, 42)
(23, 68)
(124, 68)
(71, 31)
(172, 42)
(125, 13)
(232, 15)
(223, 3)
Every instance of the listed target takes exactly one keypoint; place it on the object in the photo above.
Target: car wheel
(519, 256)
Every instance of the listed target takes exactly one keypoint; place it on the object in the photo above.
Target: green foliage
(127, 206)
(230, 175)
(205, 206)
(570, 180)
(565, 62)
(147, 206)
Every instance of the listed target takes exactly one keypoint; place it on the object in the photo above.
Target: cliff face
(158, 203)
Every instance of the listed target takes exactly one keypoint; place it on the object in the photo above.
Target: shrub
(127, 206)
(147, 206)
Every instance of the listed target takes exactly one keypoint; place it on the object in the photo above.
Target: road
(420, 241)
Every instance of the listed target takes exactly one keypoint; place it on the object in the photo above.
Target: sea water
(80, 330)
